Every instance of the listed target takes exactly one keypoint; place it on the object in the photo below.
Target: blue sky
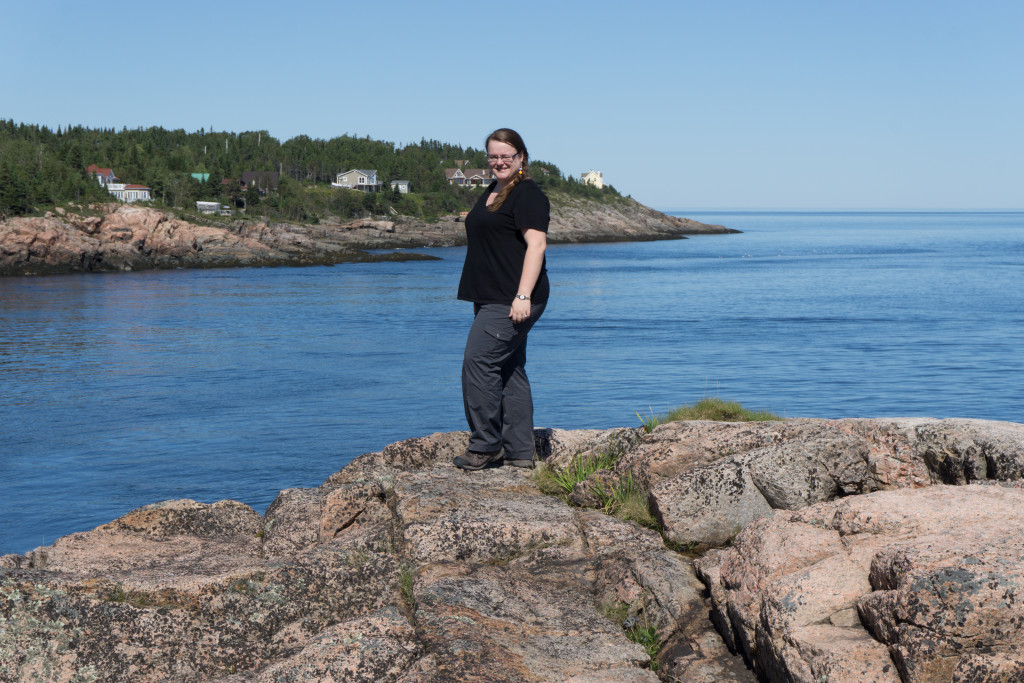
(683, 105)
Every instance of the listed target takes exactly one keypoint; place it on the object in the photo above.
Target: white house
(214, 208)
(592, 177)
(129, 193)
(358, 179)
(402, 185)
(126, 193)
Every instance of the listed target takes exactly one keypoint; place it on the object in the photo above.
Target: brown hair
(510, 137)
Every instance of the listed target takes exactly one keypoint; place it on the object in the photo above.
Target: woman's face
(503, 167)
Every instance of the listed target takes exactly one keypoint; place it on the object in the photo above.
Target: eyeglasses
(504, 158)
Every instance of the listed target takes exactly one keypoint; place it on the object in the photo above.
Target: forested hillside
(41, 168)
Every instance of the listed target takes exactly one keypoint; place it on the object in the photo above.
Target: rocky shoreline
(119, 237)
(799, 550)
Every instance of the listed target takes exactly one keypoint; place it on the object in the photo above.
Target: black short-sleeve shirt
(495, 246)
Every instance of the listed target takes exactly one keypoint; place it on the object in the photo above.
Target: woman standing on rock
(505, 278)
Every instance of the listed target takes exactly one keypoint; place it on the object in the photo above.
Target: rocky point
(119, 237)
(798, 550)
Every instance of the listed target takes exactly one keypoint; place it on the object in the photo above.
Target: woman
(505, 278)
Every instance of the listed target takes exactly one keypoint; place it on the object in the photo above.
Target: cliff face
(855, 550)
(126, 237)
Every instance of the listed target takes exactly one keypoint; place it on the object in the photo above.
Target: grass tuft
(715, 409)
(645, 634)
(561, 482)
(406, 582)
(628, 501)
(639, 628)
(649, 421)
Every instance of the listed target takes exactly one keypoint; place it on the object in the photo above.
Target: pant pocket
(501, 332)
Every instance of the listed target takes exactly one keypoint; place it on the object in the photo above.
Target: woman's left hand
(520, 310)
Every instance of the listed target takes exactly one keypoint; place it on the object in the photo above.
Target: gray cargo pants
(495, 389)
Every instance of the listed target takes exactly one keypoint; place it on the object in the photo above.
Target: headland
(121, 237)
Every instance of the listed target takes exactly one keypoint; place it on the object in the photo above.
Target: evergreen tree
(43, 167)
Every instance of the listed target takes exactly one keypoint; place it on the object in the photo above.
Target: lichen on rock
(867, 550)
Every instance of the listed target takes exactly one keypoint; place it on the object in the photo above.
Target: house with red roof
(124, 192)
(104, 175)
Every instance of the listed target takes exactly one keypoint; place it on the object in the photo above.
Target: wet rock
(129, 237)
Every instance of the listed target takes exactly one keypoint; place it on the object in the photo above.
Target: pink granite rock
(709, 480)
(400, 567)
(133, 237)
(851, 560)
(910, 585)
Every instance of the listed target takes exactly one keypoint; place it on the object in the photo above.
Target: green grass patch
(561, 482)
(627, 500)
(715, 409)
(638, 628)
(140, 600)
(645, 635)
(406, 583)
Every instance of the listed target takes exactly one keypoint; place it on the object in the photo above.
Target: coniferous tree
(42, 168)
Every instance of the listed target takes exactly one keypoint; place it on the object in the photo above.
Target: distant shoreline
(126, 237)
(836, 211)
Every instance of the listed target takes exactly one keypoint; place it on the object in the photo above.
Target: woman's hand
(520, 310)
(536, 243)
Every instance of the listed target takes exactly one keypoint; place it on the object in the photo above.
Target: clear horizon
(905, 106)
(825, 209)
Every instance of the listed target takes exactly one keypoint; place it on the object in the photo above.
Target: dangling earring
(520, 171)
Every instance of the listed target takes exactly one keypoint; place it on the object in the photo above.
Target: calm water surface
(120, 390)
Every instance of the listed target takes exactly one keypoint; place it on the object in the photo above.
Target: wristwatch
(523, 297)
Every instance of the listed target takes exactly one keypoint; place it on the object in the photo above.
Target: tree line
(42, 168)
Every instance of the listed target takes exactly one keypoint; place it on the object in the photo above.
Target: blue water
(119, 390)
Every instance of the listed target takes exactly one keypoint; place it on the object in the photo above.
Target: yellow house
(592, 177)
(358, 179)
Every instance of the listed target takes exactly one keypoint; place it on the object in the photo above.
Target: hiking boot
(526, 462)
(477, 461)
